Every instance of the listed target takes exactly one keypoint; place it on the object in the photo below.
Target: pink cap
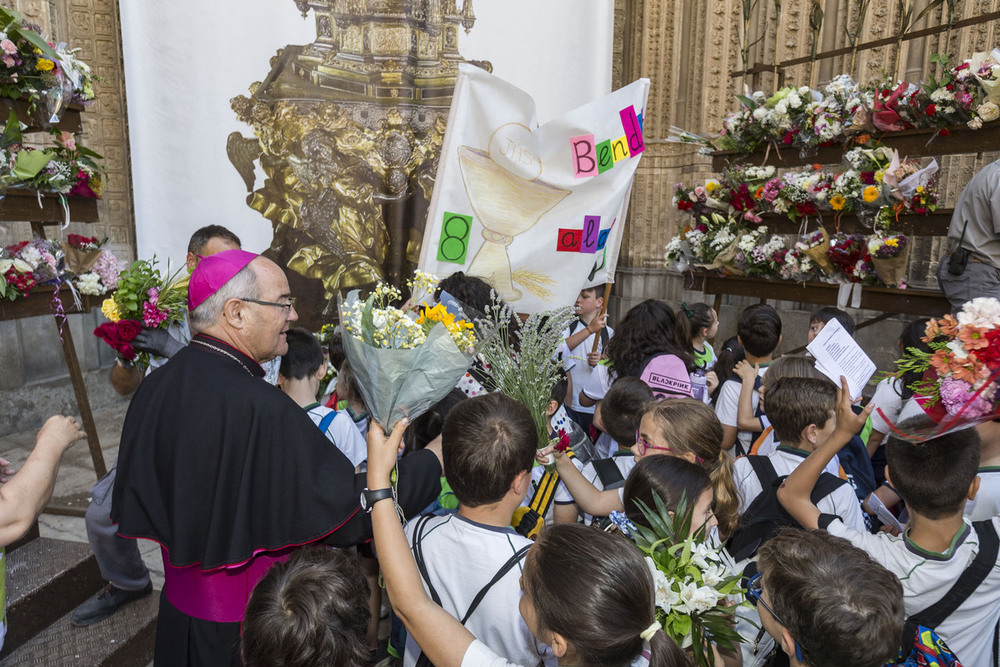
(213, 272)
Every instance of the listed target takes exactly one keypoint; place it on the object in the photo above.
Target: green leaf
(36, 41)
(368, 321)
(12, 130)
(83, 150)
(931, 6)
(748, 102)
(29, 163)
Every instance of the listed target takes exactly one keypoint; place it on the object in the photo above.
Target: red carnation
(127, 330)
(931, 109)
(563, 443)
(127, 352)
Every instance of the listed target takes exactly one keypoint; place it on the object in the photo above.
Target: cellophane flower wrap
(696, 584)
(145, 297)
(960, 375)
(404, 361)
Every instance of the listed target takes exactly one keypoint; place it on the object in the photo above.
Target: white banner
(536, 211)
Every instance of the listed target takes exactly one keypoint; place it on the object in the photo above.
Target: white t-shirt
(342, 432)
(600, 381)
(559, 497)
(927, 576)
(624, 461)
(463, 556)
(888, 400)
(842, 502)
(727, 409)
(580, 371)
(987, 502)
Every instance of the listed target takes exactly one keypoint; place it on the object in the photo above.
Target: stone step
(46, 579)
(126, 639)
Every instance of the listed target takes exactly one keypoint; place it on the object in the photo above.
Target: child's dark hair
(759, 329)
(335, 350)
(560, 388)
(622, 409)
(598, 290)
(827, 313)
(669, 477)
(487, 441)
(912, 337)
(647, 330)
(933, 477)
(793, 403)
(428, 426)
(725, 363)
(309, 610)
(304, 356)
(691, 319)
(792, 366)
(607, 603)
(841, 606)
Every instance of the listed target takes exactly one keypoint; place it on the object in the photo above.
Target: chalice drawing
(505, 202)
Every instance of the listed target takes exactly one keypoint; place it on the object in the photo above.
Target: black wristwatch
(369, 497)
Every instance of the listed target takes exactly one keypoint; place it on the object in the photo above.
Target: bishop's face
(265, 336)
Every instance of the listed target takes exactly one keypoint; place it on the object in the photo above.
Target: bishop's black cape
(215, 464)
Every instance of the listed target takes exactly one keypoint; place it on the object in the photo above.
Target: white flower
(90, 283)
(982, 312)
(988, 111)
(714, 575)
(666, 597)
(701, 553)
(31, 255)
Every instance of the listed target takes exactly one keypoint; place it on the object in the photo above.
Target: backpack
(604, 333)
(921, 646)
(667, 376)
(765, 515)
(418, 556)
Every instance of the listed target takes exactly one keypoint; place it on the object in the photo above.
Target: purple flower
(955, 394)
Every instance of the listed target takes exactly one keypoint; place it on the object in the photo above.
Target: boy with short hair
(759, 332)
(488, 443)
(821, 316)
(302, 368)
(826, 602)
(935, 478)
(580, 337)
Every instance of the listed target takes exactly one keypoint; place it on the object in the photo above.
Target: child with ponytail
(696, 323)
(682, 427)
(603, 615)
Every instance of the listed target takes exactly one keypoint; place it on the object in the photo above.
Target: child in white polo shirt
(488, 443)
(936, 478)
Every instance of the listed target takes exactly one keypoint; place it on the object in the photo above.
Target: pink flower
(956, 394)
(67, 140)
(7, 60)
(154, 295)
(8, 47)
(152, 316)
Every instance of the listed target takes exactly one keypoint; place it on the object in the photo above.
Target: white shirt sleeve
(727, 407)
(479, 655)
(888, 400)
(348, 438)
(598, 384)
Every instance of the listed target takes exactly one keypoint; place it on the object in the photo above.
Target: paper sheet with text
(837, 353)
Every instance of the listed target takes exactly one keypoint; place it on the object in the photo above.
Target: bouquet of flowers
(405, 361)
(23, 265)
(65, 167)
(815, 247)
(796, 265)
(849, 253)
(698, 200)
(694, 582)
(890, 255)
(145, 297)
(959, 376)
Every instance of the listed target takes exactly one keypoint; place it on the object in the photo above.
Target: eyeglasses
(755, 590)
(645, 445)
(288, 305)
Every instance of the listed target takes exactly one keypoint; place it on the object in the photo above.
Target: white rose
(988, 111)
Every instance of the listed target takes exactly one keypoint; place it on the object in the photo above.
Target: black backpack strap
(418, 554)
(501, 573)
(422, 659)
(963, 588)
(608, 473)
(764, 469)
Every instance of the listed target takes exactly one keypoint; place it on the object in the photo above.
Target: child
(335, 356)
(826, 602)
(619, 415)
(802, 412)
(823, 315)
(302, 368)
(892, 392)
(759, 332)
(695, 324)
(935, 478)
(602, 615)
(672, 479)
(489, 444)
(686, 428)
(580, 337)
(750, 419)
(310, 610)
(350, 399)
(725, 365)
(559, 420)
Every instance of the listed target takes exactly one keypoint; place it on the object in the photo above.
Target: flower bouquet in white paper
(405, 360)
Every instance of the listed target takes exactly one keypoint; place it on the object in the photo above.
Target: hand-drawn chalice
(505, 203)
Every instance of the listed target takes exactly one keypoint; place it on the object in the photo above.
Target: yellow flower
(44, 65)
(110, 310)
(879, 175)
(711, 186)
(920, 189)
(837, 201)
(871, 193)
(891, 242)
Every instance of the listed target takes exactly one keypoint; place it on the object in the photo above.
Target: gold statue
(348, 134)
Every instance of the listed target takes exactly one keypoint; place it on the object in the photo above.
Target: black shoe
(105, 603)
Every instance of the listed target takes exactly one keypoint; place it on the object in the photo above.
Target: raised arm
(25, 495)
(745, 419)
(794, 494)
(442, 638)
(586, 496)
